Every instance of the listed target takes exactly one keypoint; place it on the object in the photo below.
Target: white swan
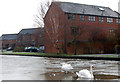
(66, 67)
(85, 73)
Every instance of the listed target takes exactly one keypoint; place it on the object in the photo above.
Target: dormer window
(101, 9)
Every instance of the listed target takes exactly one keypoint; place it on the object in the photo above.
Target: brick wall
(8, 42)
(52, 35)
(64, 35)
(28, 39)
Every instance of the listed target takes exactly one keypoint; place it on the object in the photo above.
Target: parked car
(31, 49)
(42, 49)
(26, 48)
(10, 48)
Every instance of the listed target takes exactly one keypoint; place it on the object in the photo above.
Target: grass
(104, 55)
(22, 53)
(53, 54)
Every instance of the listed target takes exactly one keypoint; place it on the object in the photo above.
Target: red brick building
(79, 28)
(8, 40)
(30, 37)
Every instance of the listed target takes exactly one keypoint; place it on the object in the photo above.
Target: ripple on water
(50, 68)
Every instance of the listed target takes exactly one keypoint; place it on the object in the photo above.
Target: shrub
(19, 49)
(68, 44)
(117, 46)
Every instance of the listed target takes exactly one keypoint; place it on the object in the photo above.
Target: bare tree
(53, 23)
(39, 37)
(117, 35)
(42, 9)
(96, 35)
(77, 31)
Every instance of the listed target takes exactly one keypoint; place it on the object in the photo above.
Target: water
(42, 68)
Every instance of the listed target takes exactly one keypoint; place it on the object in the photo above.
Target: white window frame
(109, 20)
(82, 17)
(118, 20)
(101, 19)
(91, 18)
(111, 31)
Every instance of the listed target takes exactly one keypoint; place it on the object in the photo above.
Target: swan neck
(91, 71)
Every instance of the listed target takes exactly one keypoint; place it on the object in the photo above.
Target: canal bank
(113, 57)
(45, 68)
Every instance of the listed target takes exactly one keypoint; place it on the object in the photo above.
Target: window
(82, 18)
(73, 30)
(91, 18)
(19, 41)
(71, 17)
(101, 19)
(10, 40)
(109, 20)
(118, 21)
(111, 31)
(40, 35)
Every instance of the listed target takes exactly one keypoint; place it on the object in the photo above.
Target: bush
(19, 49)
(117, 48)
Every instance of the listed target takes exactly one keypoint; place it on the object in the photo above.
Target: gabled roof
(118, 13)
(9, 37)
(76, 8)
(28, 31)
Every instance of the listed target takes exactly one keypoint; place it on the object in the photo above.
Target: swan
(66, 67)
(85, 73)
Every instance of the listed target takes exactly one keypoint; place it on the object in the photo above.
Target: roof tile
(76, 8)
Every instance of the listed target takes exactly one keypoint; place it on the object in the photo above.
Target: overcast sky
(18, 14)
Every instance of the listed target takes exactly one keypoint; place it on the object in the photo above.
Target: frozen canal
(41, 68)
